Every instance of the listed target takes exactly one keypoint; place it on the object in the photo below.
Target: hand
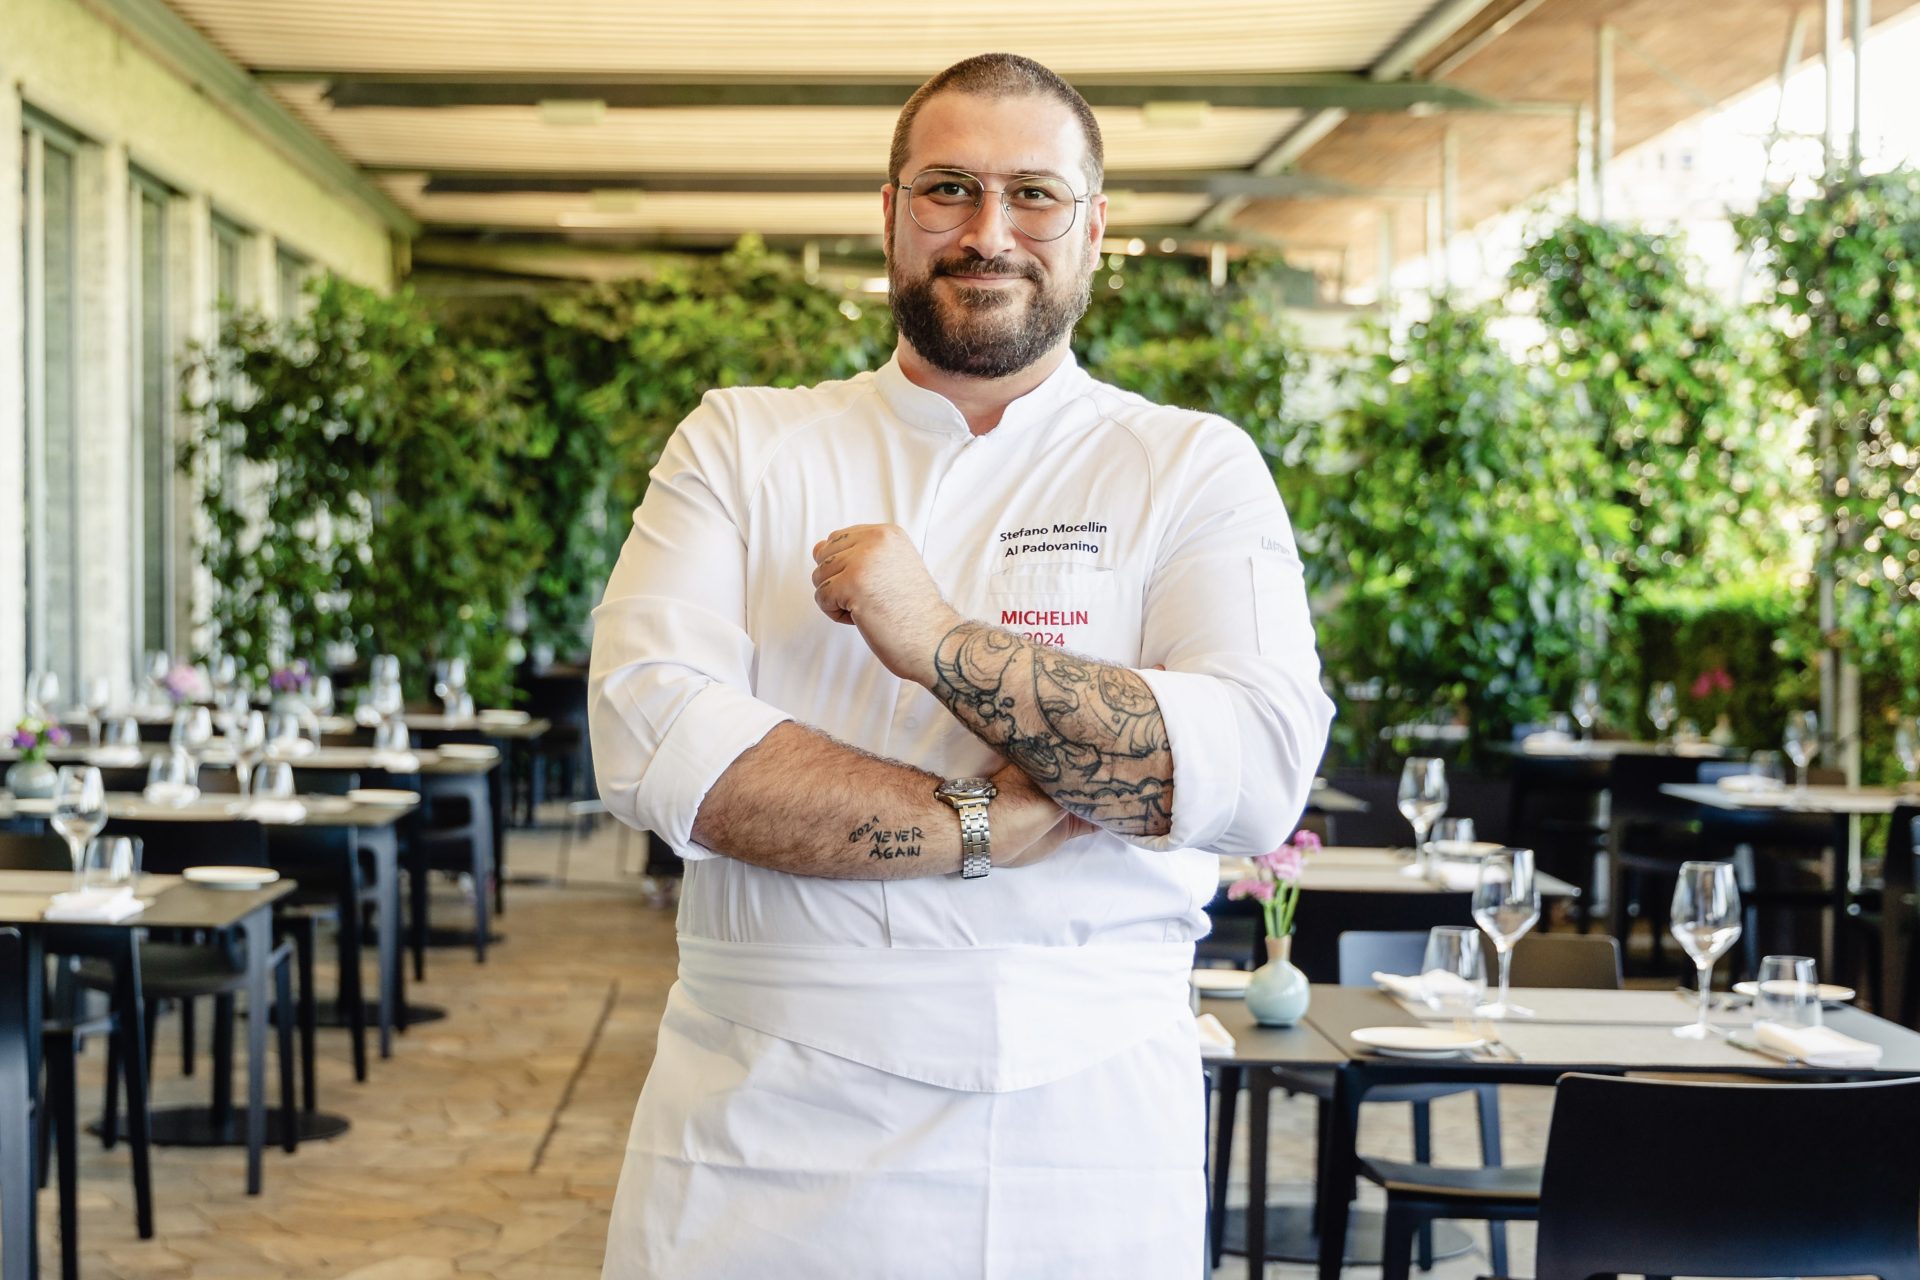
(1027, 825)
(872, 576)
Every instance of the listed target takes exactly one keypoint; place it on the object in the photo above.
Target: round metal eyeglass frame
(982, 191)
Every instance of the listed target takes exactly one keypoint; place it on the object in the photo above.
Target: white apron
(1017, 1113)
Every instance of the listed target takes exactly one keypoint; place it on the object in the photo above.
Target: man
(944, 872)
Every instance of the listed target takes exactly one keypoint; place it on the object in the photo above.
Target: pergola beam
(1216, 183)
(1351, 92)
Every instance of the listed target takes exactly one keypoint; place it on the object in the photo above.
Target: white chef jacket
(1089, 519)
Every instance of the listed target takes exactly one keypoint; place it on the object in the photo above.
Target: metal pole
(1449, 198)
(1830, 59)
(1603, 117)
(1385, 266)
(1862, 17)
(1583, 161)
(1436, 245)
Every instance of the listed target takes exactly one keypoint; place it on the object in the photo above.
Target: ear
(1096, 220)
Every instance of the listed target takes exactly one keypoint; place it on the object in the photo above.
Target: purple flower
(58, 736)
(1251, 888)
(289, 679)
(24, 740)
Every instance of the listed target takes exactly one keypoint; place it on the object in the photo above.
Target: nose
(989, 232)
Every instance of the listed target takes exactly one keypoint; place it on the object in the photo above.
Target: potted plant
(32, 777)
(1278, 993)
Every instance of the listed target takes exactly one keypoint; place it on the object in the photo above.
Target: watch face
(966, 789)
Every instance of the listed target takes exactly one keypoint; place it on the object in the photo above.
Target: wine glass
(320, 695)
(1663, 704)
(155, 667)
(223, 672)
(79, 811)
(390, 737)
(123, 733)
(248, 739)
(1586, 706)
(1453, 837)
(1802, 744)
(96, 692)
(192, 731)
(43, 695)
(1706, 921)
(1423, 798)
(1506, 904)
(1766, 764)
(1906, 746)
(172, 777)
(1454, 949)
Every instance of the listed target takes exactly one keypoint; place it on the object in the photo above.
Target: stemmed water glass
(1663, 705)
(1423, 798)
(223, 673)
(450, 685)
(96, 692)
(1586, 706)
(79, 811)
(1802, 744)
(43, 695)
(156, 668)
(247, 736)
(1506, 904)
(1706, 921)
(192, 731)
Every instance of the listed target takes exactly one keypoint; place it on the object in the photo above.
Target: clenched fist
(872, 576)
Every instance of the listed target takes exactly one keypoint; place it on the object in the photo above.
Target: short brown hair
(1001, 75)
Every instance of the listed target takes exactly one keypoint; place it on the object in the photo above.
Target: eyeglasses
(1039, 207)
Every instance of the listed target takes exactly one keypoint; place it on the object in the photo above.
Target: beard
(986, 333)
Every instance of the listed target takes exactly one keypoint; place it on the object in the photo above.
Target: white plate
(1421, 1040)
(503, 716)
(326, 804)
(384, 797)
(1465, 848)
(1830, 993)
(467, 751)
(231, 877)
(1225, 984)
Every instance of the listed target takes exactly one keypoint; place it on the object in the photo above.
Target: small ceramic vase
(1278, 993)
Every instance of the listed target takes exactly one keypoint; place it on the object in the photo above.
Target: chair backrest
(1586, 960)
(25, 851)
(1634, 781)
(1654, 1177)
(325, 782)
(1553, 789)
(172, 846)
(1363, 952)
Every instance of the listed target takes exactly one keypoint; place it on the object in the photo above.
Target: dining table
(1604, 1032)
(171, 902)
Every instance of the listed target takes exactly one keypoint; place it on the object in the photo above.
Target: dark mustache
(986, 267)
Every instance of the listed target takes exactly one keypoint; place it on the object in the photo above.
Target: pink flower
(1305, 841)
(1708, 683)
(1251, 888)
(1286, 862)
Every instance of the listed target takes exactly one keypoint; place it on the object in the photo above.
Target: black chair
(1899, 917)
(1421, 1193)
(452, 831)
(1788, 905)
(1557, 808)
(559, 697)
(1653, 1177)
(1361, 954)
(18, 1254)
(187, 969)
(1649, 835)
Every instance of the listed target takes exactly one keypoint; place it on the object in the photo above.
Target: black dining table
(173, 903)
(1605, 1032)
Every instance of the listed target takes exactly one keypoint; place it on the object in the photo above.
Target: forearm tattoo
(886, 843)
(1090, 735)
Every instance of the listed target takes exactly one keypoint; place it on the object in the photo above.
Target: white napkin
(1455, 877)
(1749, 783)
(1815, 1046)
(267, 809)
(1215, 1040)
(290, 749)
(107, 904)
(115, 757)
(172, 795)
(1436, 984)
(395, 761)
(1545, 740)
(365, 716)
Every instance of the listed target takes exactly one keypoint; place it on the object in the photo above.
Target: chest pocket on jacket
(1087, 610)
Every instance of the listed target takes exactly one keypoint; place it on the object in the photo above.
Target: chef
(949, 682)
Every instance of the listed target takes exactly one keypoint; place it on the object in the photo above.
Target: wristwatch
(969, 798)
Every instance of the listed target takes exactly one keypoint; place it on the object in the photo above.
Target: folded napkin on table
(365, 716)
(271, 810)
(1545, 740)
(115, 757)
(1815, 1046)
(1434, 984)
(107, 904)
(1453, 876)
(395, 761)
(1215, 1040)
(1749, 782)
(171, 794)
(290, 748)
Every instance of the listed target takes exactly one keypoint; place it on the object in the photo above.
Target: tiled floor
(490, 1143)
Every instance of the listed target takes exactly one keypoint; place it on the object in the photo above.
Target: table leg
(259, 935)
(18, 1246)
(386, 883)
(122, 952)
(1339, 1165)
(1259, 1102)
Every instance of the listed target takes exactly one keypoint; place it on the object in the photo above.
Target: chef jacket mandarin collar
(932, 411)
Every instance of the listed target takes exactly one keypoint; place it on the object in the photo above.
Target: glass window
(152, 345)
(50, 259)
(228, 241)
(293, 276)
